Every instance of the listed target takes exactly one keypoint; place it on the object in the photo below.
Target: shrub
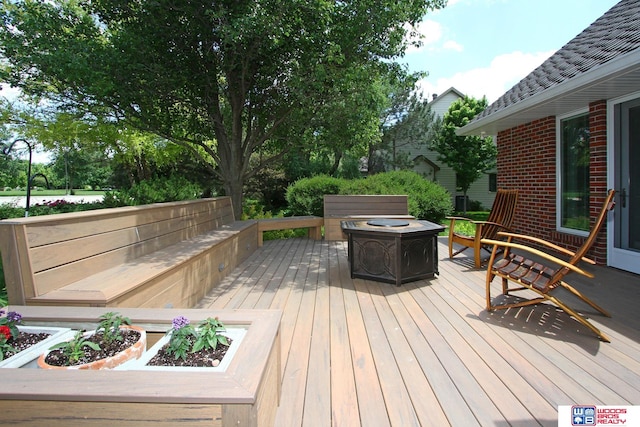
(369, 186)
(48, 208)
(475, 205)
(305, 196)
(426, 199)
(7, 210)
(252, 209)
(155, 190)
(116, 199)
(62, 206)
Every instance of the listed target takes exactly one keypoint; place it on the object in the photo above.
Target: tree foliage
(469, 156)
(227, 79)
(407, 124)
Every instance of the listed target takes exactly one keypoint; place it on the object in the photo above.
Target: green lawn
(465, 227)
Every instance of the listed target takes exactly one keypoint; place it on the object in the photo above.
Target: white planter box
(27, 358)
(235, 334)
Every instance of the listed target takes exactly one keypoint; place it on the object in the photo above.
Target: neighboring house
(427, 163)
(569, 131)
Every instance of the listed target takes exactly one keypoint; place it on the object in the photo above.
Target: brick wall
(527, 161)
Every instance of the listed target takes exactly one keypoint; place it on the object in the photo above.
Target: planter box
(235, 334)
(131, 353)
(27, 358)
(247, 393)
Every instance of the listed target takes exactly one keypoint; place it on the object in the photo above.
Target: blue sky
(484, 47)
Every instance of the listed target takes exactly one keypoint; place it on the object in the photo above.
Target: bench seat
(313, 224)
(135, 283)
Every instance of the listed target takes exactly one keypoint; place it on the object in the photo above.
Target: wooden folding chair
(500, 219)
(547, 275)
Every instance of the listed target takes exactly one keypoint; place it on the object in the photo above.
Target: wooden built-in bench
(159, 255)
(339, 208)
(313, 224)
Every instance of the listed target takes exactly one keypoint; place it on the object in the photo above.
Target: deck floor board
(358, 352)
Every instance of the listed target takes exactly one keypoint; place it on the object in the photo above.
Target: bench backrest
(341, 207)
(44, 253)
(345, 205)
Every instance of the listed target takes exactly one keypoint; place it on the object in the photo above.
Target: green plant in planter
(73, 349)
(181, 337)
(110, 326)
(185, 338)
(208, 335)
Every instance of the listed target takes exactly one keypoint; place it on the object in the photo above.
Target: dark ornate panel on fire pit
(393, 251)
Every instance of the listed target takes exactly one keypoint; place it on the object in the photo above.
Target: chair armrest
(539, 253)
(543, 242)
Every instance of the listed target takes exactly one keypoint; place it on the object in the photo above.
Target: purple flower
(13, 316)
(179, 322)
(1, 312)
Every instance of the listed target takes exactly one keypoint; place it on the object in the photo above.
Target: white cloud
(503, 72)
(430, 34)
(453, 45)
(427, 32)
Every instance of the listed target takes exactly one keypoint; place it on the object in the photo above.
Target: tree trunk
(233, 187)
(464, 201)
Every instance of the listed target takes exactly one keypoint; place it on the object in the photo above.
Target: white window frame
(559, 192)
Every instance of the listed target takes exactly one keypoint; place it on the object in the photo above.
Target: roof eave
(521, 112)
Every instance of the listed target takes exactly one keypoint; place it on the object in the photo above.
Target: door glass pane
(575, 173)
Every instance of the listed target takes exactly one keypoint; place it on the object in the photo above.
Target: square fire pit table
(392, 250)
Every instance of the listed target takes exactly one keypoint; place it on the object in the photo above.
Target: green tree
(13, 172)
(227, 79)
(469, 156)
(407, 125)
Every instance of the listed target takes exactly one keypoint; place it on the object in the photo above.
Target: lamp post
(6, 149)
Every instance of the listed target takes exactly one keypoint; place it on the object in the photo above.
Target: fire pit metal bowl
(388, 223)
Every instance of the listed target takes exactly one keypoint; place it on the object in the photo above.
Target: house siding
(446, 176)
(527, 161)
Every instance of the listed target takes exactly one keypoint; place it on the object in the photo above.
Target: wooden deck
(358, 352)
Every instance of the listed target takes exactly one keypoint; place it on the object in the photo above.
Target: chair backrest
(608, 205)
(502, 212)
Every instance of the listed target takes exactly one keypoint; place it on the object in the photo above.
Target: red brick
(527, 161)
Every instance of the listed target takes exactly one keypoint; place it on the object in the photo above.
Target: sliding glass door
(625, 245)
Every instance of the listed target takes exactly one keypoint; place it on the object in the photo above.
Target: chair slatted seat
(500, 219)
(538, 276)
